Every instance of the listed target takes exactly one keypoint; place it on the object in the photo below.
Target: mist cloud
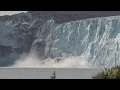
(32, 61)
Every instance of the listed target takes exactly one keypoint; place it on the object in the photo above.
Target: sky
(2, 13)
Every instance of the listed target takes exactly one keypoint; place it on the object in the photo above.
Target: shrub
(112, 73)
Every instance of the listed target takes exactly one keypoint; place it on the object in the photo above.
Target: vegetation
(112, 73)
(53, 76)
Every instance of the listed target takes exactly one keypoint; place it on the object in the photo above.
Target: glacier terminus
(49, 36)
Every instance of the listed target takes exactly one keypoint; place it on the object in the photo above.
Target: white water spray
(32, 61)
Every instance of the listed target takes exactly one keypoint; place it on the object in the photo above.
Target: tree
(112, 73)
(53, 76)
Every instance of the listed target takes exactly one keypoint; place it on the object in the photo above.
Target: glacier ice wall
(96, 38)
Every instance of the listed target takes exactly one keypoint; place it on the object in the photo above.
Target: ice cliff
(98, 39)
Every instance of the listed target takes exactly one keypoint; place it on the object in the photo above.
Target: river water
(45, 73)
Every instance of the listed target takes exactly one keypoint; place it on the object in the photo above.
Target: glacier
(98, 39)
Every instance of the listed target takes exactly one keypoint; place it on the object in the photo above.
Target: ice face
(96, 38)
